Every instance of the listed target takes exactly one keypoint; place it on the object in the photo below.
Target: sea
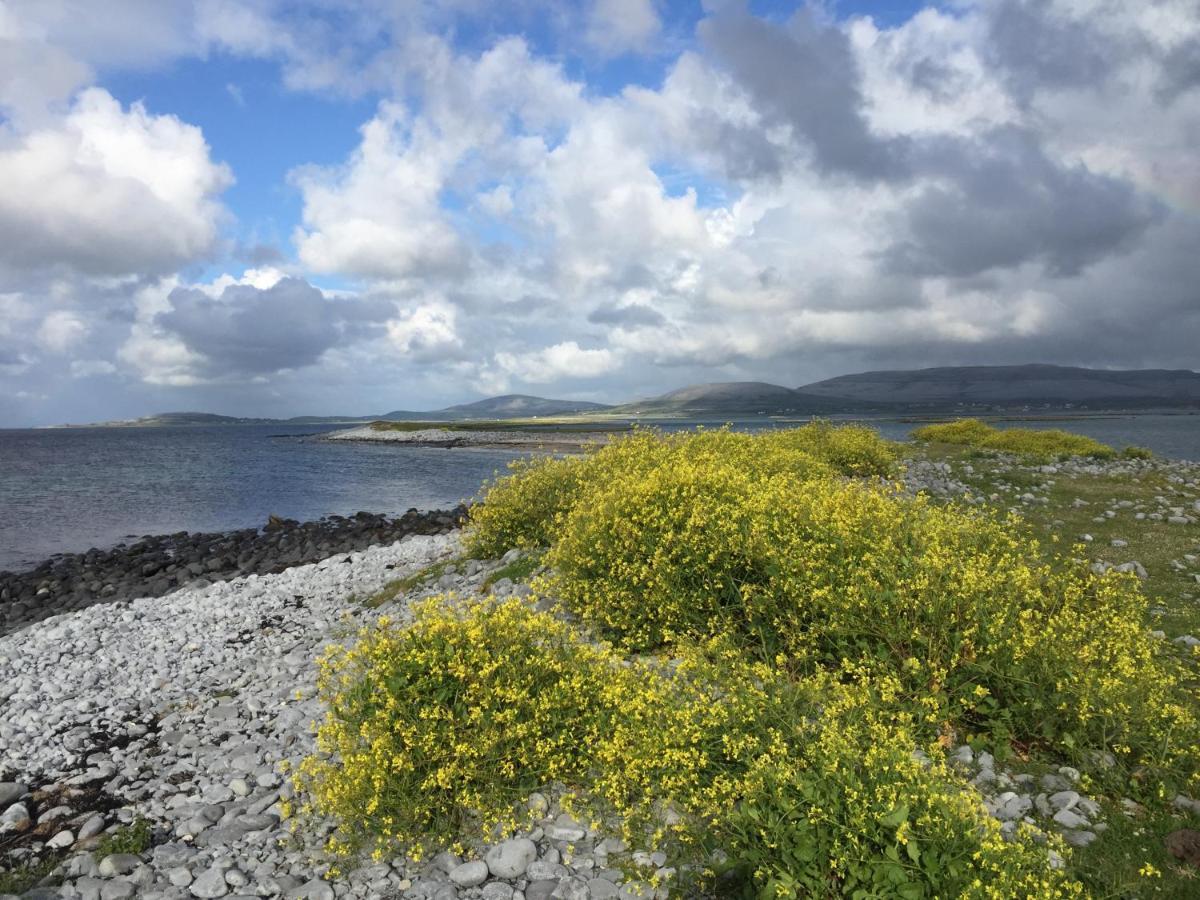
(65, 490)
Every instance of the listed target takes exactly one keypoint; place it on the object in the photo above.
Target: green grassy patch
(551, 426)
(517, 571)
(26, 876)
(132, 838)
(401, 586)
(1049, 444)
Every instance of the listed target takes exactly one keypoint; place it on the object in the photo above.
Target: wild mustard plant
(443, 727)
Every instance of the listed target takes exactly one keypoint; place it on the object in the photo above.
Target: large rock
(469, 874)
(11, 792)
(511, 858)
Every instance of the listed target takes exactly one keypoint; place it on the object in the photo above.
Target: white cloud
(551, 364)
(61, 331)
(425, 331)
(108, 191)
(621, 26)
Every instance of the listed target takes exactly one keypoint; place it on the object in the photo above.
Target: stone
(573, 888)
(511, 858)
(540, 890)
(1184, 845)
(497, 890)
(61, 841)
(313, 889)
(11, 792)
(1068, 819)
(208, 884)
(15, 820)
(118, 889)
(566, 829)
(602, 889)
(470, 874)
(180, 876)
(1078, 838)
(91, 827)
(1064, 800)
(118, 864)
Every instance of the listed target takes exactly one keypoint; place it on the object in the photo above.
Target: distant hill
(947, 389)
(509, 406)
(731, 398)
(1016, 386)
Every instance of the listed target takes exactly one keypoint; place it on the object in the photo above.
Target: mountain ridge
(899, 391)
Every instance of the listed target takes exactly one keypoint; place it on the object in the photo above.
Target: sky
(307, 207)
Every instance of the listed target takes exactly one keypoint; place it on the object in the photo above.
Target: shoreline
(159, 565)
(450, 438)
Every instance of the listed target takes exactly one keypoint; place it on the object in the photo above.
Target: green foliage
(1048, 444)
(517, 571)
(444, 726)
(1133, 452)
(784, 638)
(132, 838)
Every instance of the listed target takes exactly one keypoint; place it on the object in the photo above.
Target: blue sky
(268, 207)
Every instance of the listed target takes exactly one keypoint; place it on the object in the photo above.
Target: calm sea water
(68, 489)
(65, 490)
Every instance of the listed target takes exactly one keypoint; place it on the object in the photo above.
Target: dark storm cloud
(1001, 202)
(1180, 71)
(249, 331)
(805, 76)
(632, 315)
(1036, 47)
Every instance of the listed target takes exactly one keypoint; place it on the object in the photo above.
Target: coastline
(452, 438)
(156, 565)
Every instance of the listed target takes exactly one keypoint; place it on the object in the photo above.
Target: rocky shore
(156, 565)
(448, 438)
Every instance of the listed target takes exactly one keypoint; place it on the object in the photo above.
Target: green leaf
(896, 817)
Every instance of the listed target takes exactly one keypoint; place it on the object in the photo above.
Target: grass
(26, 876)
(557, 426)
(401, 586)
(1109, 867)
(517, 571)
(132, 838)
(1028, 442)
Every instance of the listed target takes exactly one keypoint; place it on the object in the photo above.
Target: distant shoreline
(456, 438)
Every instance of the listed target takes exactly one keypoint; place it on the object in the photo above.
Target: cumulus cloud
(61, 331)
(237, 330)
(561, 361)
(107, 190)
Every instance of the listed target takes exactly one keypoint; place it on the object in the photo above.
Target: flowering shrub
(852, 811)
(809, 631)
(957, 605)
(855, 450)
(523, 508)
(1052, 443)
(526, 508)
(442, 727)
(439, 730)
